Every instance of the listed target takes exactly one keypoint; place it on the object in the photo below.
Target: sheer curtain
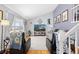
(18, 24)
(9, 17)
(6, 29)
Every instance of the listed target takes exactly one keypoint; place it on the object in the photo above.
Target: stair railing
(73, 30)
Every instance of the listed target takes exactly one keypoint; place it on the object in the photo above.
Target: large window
(18, 24)
(75, 12)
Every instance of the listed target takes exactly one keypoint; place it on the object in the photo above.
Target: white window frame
(74, 10)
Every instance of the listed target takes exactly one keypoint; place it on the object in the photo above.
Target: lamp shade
(5, 22)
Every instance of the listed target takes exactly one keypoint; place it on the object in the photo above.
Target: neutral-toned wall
(43, 18)
(66, 25)
(9, 15)
(30, 26)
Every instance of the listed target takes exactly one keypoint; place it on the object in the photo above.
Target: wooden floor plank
(38, 52)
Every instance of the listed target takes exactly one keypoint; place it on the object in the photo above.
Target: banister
(75, 7)
(72, 30)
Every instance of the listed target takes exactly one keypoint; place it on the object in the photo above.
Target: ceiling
(31, 10)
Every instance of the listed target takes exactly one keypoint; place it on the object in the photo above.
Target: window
(75, 12)
(76, 15)
(18, 24)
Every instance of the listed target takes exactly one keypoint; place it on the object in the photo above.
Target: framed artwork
(55, 21)
(65, 15)
(1, 15)
(39, 29)
(58, 18)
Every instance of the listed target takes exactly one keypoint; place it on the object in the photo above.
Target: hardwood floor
(38, 52)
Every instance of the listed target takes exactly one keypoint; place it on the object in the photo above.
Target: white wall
(41, 43)
(44, 18)
(38, 43)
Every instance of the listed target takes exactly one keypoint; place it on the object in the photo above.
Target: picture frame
(65, 15)
(39, 30)
(58, 18)
(1, 15)
(55, 20)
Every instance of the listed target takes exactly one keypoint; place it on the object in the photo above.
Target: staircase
(70, 43)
